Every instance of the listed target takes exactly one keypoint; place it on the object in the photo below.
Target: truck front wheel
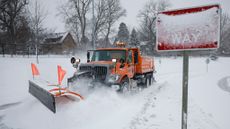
(125, 85)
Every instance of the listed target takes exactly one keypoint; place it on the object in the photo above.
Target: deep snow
(158, 107)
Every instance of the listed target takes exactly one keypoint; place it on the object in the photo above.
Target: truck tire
(153, 79)
(148, 81)
(125, 86)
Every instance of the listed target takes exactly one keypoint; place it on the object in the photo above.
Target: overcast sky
(132, 7)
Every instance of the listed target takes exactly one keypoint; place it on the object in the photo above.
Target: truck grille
(100, 72)
(85, 68)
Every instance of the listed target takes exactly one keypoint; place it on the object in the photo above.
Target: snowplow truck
(123, 69)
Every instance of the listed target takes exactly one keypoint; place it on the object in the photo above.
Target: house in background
(58, 43)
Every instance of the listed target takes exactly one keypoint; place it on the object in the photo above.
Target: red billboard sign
(196, 28)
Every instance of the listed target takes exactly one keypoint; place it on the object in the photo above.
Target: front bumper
(93, 81)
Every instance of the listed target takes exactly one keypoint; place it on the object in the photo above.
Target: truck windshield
(108, 55)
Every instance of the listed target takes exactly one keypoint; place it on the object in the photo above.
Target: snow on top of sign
(189, 19)
(189, 30)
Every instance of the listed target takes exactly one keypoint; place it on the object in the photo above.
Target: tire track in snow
(6, 106)
(142, 117)
(200, 118)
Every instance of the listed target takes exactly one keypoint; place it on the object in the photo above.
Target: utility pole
(93, 29)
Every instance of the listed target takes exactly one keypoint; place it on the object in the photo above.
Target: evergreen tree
(134, 40)
(123, 34)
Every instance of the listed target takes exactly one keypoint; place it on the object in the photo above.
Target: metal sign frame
(188, 10)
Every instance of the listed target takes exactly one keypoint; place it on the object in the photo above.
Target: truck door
(130, 62)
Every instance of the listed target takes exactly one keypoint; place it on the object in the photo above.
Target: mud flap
(43, 96)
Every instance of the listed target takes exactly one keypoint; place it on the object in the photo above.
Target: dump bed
(145, 65)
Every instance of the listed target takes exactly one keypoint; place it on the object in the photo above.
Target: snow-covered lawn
(158, 107)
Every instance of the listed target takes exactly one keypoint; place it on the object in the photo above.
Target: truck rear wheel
(148, 81)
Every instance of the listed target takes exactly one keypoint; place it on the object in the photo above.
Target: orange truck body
(146, 65)
(134, 67)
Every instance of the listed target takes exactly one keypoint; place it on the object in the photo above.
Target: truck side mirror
(88, 56)
(72, 60)
(135, 57)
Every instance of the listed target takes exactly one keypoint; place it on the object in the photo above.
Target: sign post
(207, 62)
(184, 113)
(186, 30)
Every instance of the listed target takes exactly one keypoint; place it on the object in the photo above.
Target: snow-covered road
(158, 107)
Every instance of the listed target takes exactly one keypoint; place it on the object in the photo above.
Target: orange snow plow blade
(47, 97)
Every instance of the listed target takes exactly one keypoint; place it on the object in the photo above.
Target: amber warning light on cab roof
(120, 44)
(196, 28)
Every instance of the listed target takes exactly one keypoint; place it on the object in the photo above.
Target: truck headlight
(113, 78)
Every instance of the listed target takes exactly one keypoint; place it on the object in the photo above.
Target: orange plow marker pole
(34, 70)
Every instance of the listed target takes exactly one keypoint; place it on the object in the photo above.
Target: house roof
(55, 38)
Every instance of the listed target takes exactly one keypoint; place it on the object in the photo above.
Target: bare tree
(114, 13)
(107, 13)
(37, 16)
(82, 8)
(100, 18)
(11, 14)
(72, 23)
(147, 15)
(75, 13)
